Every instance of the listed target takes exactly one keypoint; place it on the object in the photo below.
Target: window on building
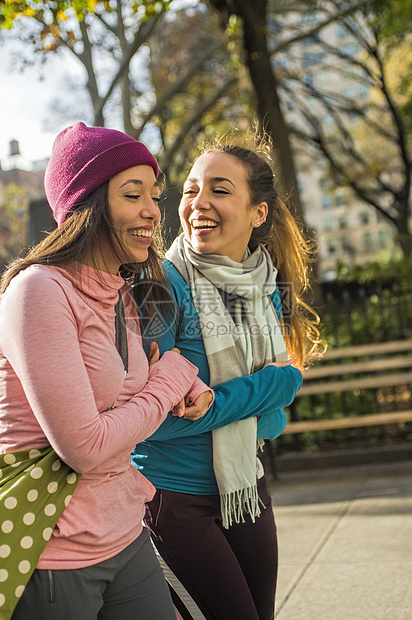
(347, 245)
(339, 200)
(343, 223)
(383, 238)
(368, 241)
(326, 202)
(331, 246)
(328, 223)
(364, 218)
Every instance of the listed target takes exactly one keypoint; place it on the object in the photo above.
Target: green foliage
(11, 11)
(392, 18)
(378, 312)
(14, 221)
(56, 13)
(392, 270)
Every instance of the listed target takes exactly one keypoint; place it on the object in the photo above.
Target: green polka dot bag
(35, 488)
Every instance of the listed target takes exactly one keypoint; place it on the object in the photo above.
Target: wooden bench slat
(394, 346)
(394, 417)
(319, 372)
(370, 367)
(353, 384)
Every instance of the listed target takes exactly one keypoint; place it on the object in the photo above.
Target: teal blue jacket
(178, 456)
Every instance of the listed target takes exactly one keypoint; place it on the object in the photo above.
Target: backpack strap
(121, 334)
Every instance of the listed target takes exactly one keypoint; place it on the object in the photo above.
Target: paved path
(345, 543)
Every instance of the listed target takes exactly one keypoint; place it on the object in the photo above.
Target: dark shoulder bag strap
(121, 334)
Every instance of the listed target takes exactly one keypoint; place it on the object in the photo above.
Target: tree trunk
(263, 78)
(271, 119)
(270, 115)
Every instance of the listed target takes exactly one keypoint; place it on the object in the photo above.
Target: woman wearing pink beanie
(77, 393)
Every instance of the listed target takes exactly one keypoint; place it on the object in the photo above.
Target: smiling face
(215, 209)
(133, 201)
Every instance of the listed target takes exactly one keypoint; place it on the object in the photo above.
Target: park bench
(382, 372)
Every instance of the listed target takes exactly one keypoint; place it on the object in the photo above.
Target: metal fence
(356, 313)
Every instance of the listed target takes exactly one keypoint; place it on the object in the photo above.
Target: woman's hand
(197, 410)
(154, 353)
(190, 411)
(179, 409)
(288, 362)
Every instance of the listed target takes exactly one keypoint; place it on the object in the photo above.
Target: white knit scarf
(238, 342)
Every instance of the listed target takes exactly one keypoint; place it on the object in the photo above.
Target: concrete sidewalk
(345, 543)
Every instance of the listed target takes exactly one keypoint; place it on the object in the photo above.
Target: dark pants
(129, 586)
(230, 574)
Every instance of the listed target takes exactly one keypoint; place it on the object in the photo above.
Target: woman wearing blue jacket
(236, 275)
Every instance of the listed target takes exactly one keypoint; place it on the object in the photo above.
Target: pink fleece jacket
(59, 373)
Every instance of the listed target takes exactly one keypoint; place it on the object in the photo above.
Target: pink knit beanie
(85, 157)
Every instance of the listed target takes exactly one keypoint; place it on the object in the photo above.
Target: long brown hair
(81, 235)
(285, 242)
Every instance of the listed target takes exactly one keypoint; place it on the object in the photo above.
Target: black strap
(121, 334)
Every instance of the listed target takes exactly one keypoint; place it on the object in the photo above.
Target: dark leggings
(230, 574)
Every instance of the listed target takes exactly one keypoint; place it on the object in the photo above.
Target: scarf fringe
(237, 503)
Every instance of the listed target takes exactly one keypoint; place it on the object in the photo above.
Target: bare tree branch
(141, 37)
(177, 87)
(311, 32)
(196, 115)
